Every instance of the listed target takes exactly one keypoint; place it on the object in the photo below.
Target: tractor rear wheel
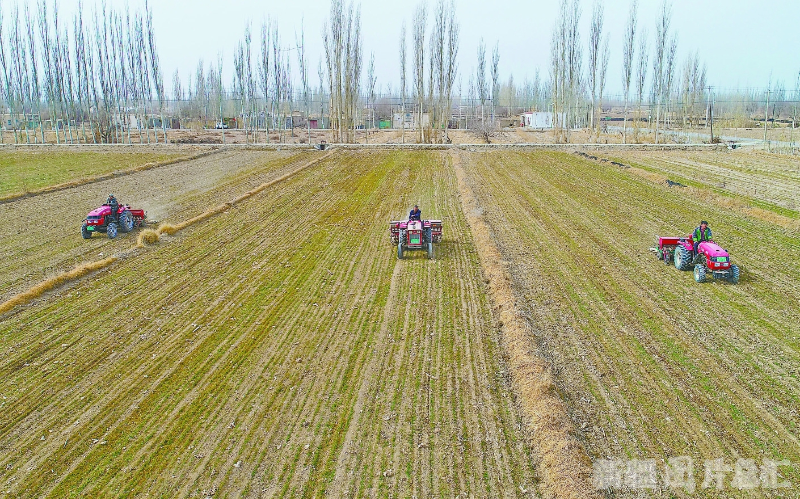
(85, 232)
(111, 230)
(400, 251)
(682, 259)
(125, 221)
(430, 251)
(734, 277)
(699, 273)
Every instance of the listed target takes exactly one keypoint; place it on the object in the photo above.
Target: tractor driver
(415, 214)
(702, 233)
(114, 205)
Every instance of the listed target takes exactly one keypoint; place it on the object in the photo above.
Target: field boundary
(105, 176)
(564, 465)
(85, 268)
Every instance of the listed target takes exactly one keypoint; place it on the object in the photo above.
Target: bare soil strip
(252, 354)
(563, 463)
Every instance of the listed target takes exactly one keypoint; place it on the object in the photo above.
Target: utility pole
(766, 111)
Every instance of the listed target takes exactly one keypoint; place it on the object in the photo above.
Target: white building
(541, 119)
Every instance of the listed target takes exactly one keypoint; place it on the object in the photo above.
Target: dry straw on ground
(53, 282)
(147, 236)
(564, 465)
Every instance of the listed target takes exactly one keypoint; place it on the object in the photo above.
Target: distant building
(540, 119)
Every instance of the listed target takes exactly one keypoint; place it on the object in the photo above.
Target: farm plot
(41, 235)
(768, 181)
(27, 171)
(652, 364)
(277, 349)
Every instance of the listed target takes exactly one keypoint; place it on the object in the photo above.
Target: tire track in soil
(251, 351)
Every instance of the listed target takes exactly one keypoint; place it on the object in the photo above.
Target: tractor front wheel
(111, 230)
(699, 273)
(734, 277)
(682, 258)
(400, 251)
(430, 251)
(86, 233)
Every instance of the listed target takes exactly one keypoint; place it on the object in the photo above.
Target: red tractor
(100, 220)
(711, 260)
(415, 235)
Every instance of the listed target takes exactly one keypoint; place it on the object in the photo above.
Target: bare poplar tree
(6, 76)
(35, 89)
(495, 79)
(480, 79)
(303, 66)
(403, 81)
(342, 40)
(419, 27)
(628, 52)
(566, 61)
(371, 84)
(641, 78)
(660, 60)
(601, 80)
(595, 37)
(264, 69)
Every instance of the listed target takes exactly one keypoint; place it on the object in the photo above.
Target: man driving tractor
(415, 214)
(114, 205)
(700, 234)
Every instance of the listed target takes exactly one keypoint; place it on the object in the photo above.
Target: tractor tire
(734, 277)
(430, 251)
(399, 251)
(111, 230)
(87, 234)
(682, 259)
(125, 222)
(699, 273)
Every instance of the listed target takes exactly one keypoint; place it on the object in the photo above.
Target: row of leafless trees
(569, 86)
(89, 82)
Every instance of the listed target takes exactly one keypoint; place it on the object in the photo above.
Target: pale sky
(744, 43)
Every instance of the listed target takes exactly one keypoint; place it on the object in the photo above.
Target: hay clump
(167, 229)
(53, 282)
(147, 236)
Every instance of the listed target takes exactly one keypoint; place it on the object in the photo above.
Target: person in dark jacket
(114, 205)
(700, 234)
(415, 214)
